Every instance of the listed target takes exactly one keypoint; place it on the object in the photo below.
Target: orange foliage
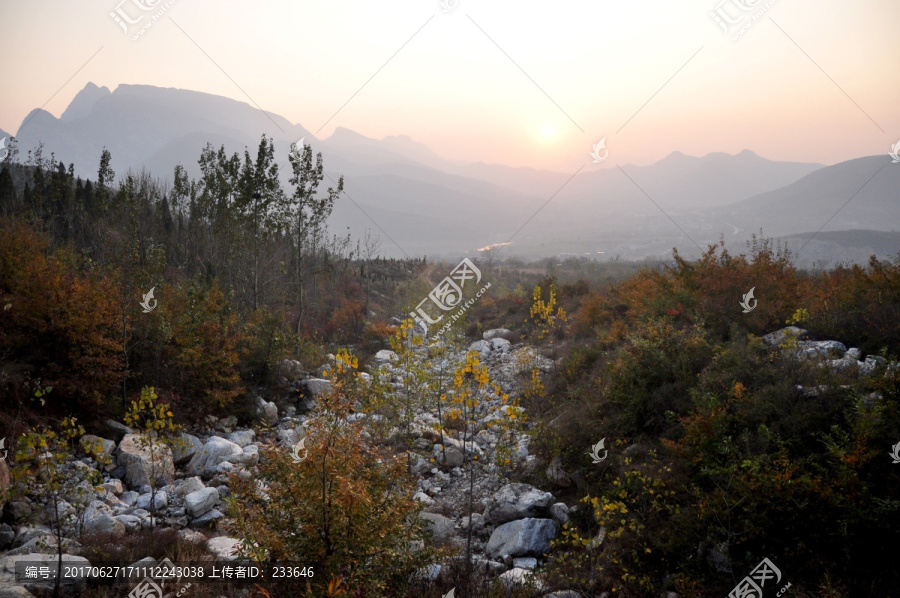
(57, 324)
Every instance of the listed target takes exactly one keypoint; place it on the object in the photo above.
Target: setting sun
(549, 131)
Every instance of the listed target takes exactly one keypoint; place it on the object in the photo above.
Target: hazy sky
(556, 78)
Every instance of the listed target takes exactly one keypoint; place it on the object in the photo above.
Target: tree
(42, 469)
(157, 434)
(345, 509)
(307, 214)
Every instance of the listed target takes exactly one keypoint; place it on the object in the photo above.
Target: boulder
(113, 487)
(557, 475)
(450, 456)
(423, 498)
(207, 520)
(191, 537)
(185, 447)
(200, 502)
(287, 437)
(813, 349)
(129, 498)
(143, 459)
(517, 577)
(516, 501)
(105, 524)
(117, 430)
(470, 447)
(524, 537)
(97, 446)
(248, 458)
(503, 333)
(420, 465)
(227, 423)
(44, 545)
(871, 363)
(560, 513)
(774, 339)
(215, 451)
(442, 528)
(500, 345)
(270, 412)
(525, 562)
(7, 535)
(318, 386)
(477, 523)
(243, 437)
(132, 524)
(483, 347)
(160, 501)
(225, 548)
(384, 356)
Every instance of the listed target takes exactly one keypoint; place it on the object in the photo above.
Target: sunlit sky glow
(591, 65)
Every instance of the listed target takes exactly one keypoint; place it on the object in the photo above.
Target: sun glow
(549, 131)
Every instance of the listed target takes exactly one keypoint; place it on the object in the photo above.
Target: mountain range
(421, 203)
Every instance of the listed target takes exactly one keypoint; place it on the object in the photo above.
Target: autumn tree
(306, 214)
(157, 434)
(345, 502)
(43, 468)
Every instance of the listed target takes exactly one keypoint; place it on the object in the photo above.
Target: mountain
(430, 205)
(138, 123)
(858, 194)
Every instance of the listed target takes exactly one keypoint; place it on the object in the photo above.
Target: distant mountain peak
(82, 104)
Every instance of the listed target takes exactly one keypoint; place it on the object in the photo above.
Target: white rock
(318, 386)
(242, 437)
(200, 502)
(490, 335)
(188, 485)
(185, 447)
(523, 537)
(516, 501)
(385, 356)
(483, 347)
(215, 451)
(525, 562)
(270, 411)
(224, 547)
(145, 458)
(500, 344)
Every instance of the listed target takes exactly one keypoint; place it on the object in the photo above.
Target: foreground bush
(337, 505)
